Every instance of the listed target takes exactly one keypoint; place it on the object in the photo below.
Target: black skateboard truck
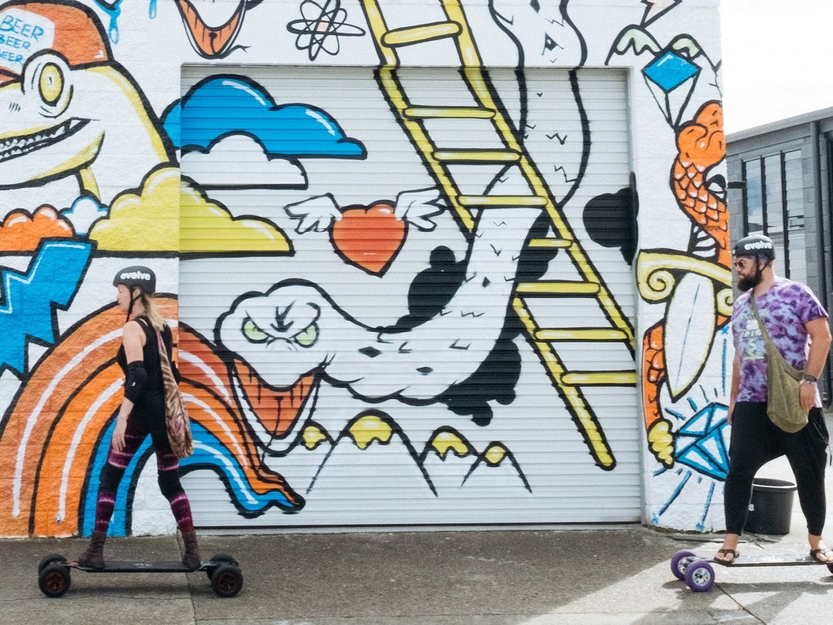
(223, 572)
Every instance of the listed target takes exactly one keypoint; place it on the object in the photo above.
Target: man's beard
(750, 282)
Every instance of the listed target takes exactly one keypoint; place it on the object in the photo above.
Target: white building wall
(643, 437)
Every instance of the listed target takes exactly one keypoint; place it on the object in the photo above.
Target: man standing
(797, 324)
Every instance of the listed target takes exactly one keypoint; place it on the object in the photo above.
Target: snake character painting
(296, 329)
(295, 340)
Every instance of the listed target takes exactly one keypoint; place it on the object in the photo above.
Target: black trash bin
(771, 507)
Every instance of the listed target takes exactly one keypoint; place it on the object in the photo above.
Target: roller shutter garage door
(406, 299)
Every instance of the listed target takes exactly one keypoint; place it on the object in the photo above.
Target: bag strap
(168, 379)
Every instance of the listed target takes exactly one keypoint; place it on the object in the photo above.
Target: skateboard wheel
(47, 560)
(218, 559)
(54, 579)
(224, 558)
(699, 576)
(680, 562)
(227, 580)
(830, 567)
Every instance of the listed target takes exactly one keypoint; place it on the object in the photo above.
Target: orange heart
(369, 238)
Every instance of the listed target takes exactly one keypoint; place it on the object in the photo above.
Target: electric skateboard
(698, 573)
(222, 570)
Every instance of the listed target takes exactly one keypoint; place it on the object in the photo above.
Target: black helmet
(755, 245)
(139, 276)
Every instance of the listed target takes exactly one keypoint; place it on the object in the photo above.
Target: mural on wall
(375, 330)
(695, 283)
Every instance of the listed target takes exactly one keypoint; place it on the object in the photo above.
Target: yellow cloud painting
(169, 215)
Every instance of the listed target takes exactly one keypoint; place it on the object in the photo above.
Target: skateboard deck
(770, 560)
(127, 566)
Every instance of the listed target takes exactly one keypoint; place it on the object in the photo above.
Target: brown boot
(93, 557)
(191, 558)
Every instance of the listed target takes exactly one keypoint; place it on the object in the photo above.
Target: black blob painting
(610, 220)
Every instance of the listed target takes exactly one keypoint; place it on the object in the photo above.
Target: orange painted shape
(277, 411)
(653, 372)
(210, 41)
(53, 434)
(21, 232)
(702, 145)
(369, 237)
(77, 33)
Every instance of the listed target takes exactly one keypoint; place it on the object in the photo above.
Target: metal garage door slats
(590, 284)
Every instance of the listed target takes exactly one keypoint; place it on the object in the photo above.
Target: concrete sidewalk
(602, 576)
(605, 577)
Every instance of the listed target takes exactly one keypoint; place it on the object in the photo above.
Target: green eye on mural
(253, 333)
(308, 337)
(51, 83)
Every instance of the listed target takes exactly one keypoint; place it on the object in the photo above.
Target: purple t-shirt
(784, 308)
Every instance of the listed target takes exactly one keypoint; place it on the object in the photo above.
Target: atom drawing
(321, 27)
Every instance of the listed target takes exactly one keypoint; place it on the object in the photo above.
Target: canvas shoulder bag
(783, 383)
(177, 421)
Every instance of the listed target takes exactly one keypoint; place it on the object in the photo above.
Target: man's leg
(807, 453)
(752, 445)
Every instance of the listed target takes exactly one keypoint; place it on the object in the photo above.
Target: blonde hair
(152, 311)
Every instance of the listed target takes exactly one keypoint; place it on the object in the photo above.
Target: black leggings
(756, 441)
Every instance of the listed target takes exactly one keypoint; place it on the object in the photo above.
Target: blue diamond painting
(669, 71)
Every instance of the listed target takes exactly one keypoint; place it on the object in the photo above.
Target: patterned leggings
(168, 468)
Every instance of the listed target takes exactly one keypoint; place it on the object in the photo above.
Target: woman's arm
(132, 339)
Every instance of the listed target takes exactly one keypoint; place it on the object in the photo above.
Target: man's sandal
(826, 552)
(727, 552)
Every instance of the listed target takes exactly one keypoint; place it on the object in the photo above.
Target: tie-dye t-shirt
(784, 308)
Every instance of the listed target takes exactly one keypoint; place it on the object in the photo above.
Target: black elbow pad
(137, 378)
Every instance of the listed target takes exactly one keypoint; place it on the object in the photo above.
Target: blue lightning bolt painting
(30, 299)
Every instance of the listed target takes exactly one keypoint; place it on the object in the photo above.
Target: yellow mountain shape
(368, 429)
(495, 455)
(447, 441)
(313, 437)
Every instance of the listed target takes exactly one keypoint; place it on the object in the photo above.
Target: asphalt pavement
(603, 575)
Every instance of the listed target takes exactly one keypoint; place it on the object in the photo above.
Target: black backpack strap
(142, 321)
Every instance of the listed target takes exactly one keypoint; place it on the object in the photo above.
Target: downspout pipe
(818, 200)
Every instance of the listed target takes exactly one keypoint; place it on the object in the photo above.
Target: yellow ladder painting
(413, 118)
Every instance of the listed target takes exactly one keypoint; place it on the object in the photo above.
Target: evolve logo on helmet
(134, 275)
(139, 276)
(754, 245)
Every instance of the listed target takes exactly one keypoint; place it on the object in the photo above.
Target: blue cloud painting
(220, 106)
